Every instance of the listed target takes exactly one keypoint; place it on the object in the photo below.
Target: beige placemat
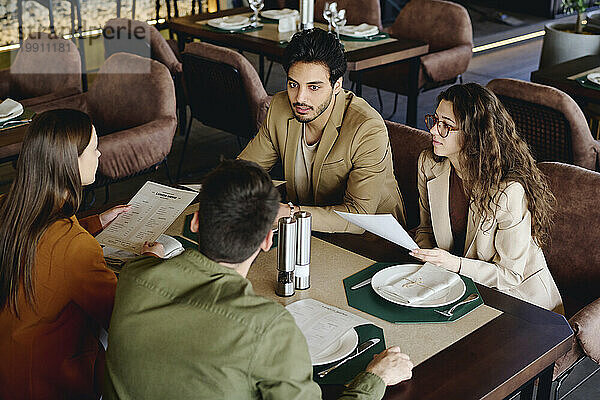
(586, 73)
(329, 265)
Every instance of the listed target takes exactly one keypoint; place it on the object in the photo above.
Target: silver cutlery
(358, 351)
(376, 37)
(450, 312)
(361, 284)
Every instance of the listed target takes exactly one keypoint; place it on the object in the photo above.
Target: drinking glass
(256, 6)
(338, 21)
(327, 15)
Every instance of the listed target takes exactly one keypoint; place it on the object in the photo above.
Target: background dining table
(268, 42)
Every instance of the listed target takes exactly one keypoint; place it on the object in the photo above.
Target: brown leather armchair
(134, 115)
(550, 122)
(45, 69)
(573, 258)
(446, 27)
(224, 91)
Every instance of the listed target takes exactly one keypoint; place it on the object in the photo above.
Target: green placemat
(26, 115)
(374, 38)
(188, 234)
(585, 82)
(243, 30)
(265, 20)
(365, 299)
(346, 372)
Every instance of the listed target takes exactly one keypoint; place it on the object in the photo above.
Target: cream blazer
(352, 169)
(500, 252)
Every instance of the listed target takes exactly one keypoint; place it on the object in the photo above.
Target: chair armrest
(447, 64)
(586, 324)
(127, 152)
(261, 112)
(597, 149)
(4, 83)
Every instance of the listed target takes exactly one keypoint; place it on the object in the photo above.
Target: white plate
(233, 22)
(349, 31)
(393, 274)
(279, 14)
(337, 350)
(594, 77)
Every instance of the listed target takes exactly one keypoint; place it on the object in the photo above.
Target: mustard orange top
(50, 352)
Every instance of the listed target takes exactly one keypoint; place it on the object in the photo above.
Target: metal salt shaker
(307, 14)
(286, 256)
(302, 273)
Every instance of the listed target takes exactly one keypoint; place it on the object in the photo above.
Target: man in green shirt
(192, 327)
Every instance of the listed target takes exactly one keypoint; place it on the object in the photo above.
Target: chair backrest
(357, 11)
(129, 91)
(550, 122)
(43, 65)
(442, 24)
(223, 89)
(137, 37)
(407, 143)
(573, 255)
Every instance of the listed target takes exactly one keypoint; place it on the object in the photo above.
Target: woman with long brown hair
(55, 289)
(485, 207)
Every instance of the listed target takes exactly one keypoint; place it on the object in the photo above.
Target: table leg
(527, 391)
(358, 82)
(413, 91)
(261, 68)
(181, 40)
(544, 389)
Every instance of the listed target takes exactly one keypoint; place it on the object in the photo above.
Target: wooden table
(12, 135)
(556, 76)
(266, 42)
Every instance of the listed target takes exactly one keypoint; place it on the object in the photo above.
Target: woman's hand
(438, 257)
(108, 216)
(153, 249)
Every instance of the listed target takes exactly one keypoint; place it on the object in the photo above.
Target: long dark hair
(47, 188)
(493, 152)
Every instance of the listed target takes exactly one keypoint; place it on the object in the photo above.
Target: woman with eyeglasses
(485, 207)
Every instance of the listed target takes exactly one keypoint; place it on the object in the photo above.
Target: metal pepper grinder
(302, 271)
(286, 256)
(307, 18)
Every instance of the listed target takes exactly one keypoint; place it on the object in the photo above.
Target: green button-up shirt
(190, 328)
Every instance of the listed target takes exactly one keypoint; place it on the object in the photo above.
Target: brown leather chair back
(223, 89)
(550, 122)
(442, 24)
(45, 65)
(357, 11)
(120, 99)
(573, 255)
(407, 143)
(151, 43)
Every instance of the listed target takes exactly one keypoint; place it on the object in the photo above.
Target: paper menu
(384, 225)
(322, 324)
(154, 208)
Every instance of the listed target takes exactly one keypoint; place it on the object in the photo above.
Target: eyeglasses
(442, 127)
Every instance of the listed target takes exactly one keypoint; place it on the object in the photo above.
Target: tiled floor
(207, 146)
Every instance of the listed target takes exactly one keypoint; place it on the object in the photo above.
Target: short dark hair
(316, 46)
(238, 205)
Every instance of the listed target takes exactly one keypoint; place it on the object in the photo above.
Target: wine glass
(256, 6)
(338, 21)
(327, 15)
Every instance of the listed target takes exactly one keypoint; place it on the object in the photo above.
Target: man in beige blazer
(334, 147)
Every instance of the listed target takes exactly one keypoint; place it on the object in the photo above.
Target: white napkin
(232, 22)
(359, 30)
(422, 284)
(279, 14)
(10, 108)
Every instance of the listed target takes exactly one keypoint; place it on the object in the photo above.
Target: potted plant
(566, 41)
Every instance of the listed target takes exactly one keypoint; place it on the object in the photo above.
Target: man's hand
(108, 216)
(391, 366)
(438, 257)
(153, 249)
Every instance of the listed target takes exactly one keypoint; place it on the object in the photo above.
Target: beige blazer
(352, 170)
(499, 253)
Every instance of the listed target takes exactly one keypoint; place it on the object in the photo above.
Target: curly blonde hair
(493, 153)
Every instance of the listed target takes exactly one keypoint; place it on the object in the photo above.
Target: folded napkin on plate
(422, 284)
(359, 30)
(279, 14)
(232, 22)
(9, 107)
